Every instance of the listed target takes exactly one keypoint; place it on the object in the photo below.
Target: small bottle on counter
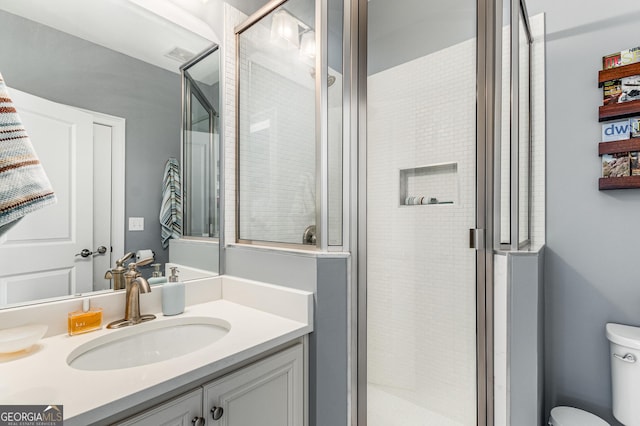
(173, 295)
(88, 319)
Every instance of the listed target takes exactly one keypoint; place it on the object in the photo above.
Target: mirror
(108, 73)
(201, 144)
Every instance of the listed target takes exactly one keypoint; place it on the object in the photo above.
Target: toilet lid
(569, 416)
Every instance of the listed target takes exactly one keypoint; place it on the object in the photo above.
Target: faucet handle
(124, 258)
(132, 270)
(144, 262)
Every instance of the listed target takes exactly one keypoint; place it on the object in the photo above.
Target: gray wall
(62, 68)
(327, 278)
(525, 347)
(328, 364)
(590, 275)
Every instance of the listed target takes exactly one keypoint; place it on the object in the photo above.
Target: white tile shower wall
(277, 142)
(277, 175)
(538, 133)
(421, 272)
(291, 165)
(525, 141)
(505, 138)
(538, 121)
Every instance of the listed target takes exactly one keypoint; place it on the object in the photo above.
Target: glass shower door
(421, 203)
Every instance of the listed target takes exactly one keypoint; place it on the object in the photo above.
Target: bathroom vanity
(268, 392)
(253, 371)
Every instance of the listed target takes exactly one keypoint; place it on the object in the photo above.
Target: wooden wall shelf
(618, 73)
(627, 145)
(624, 182)
(622, 110)
(619, 111)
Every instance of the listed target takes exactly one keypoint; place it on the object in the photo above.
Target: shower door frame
(355, 48)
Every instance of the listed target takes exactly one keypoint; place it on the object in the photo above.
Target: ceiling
(143, 29)
(399, 30)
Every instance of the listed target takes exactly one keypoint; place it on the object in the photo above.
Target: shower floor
(387, 409)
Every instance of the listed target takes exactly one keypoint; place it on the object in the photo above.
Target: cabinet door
(267, 393)
(181, 411)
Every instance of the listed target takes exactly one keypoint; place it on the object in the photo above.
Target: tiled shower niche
(434, 184)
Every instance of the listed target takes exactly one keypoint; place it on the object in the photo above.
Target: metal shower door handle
(626, 358)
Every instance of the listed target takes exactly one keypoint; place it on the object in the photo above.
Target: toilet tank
(625, 372)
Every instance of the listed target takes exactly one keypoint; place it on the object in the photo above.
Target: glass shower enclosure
(421, 168)
(382, 136)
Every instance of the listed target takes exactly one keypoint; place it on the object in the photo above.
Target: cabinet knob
(198, 421)
(216, 413)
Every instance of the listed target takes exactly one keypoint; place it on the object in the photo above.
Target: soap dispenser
(173, 295)
(156, 276)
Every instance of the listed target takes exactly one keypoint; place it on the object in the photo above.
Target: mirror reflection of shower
(330, 78)
(201, 144)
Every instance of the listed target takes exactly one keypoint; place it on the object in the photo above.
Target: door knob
(100, 250)
(198, 421)
(87, 252)
(216, 413)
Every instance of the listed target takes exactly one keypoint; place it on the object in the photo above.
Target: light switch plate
(136, 224)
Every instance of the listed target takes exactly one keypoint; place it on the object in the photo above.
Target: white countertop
(261, 316)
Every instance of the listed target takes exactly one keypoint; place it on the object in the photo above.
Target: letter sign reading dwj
(616, 131)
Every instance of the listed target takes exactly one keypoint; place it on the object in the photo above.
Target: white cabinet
(180, 411)
(269, 392)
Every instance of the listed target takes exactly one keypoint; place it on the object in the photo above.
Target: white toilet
(569, 416)
(625, 382)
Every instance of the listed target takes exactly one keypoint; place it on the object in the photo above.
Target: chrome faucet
(134, 285)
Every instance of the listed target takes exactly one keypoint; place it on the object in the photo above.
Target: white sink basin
(148, 343)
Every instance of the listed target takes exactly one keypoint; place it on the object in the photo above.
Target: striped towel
(24, 186)
(171, 208)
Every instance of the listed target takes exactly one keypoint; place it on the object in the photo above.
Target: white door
(102, 148)
(267, 393)
(38, 256)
